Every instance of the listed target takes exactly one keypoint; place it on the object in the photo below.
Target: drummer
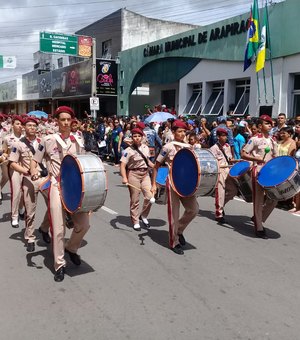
(20, 162)
(222, 152)
(15, 178)
(53, 148)
(135, 164)
(260, 149)
(176, 225)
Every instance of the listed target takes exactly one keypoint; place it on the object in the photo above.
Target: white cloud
(20, 27)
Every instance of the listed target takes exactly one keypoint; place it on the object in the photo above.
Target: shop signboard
(106, 77)
(73, 80)
(30, 88)
(8, 91)
(45, 88)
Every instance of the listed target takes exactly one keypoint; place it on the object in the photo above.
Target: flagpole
(265, 86)
(258, 88)
(270, 53)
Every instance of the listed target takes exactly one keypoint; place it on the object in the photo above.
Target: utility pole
(94, 90)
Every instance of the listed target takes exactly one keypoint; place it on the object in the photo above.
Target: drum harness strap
(141, 154)
(223, 152)
(44, 171)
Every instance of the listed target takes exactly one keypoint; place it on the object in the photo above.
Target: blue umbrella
(38, 114)
(159, 117)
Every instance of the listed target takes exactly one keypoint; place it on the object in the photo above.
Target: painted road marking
(110, 211)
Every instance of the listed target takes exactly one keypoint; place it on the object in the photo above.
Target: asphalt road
(228, 285)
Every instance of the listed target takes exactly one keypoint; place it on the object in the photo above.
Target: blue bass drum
(83, 183)
(194, 172)
(241, 173)
(161, 179)
(280, 178)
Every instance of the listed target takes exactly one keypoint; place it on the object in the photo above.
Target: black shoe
(22, 216)
(220, 220)
(45, 236)
(69, 222)
(74, 257)
(181, 240)
(59, 274)
(261, 234)
(147, 225)
(178, 250)
(30, 247)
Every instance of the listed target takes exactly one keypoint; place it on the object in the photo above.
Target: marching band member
(54, 148)
(20, 157)
(256, 151)
(15, 178)
(136, 176)
(222, 152)
(176, 225)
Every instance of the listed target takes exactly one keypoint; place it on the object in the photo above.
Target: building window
(143, 90)
(121, 104)
(242, 97)
(106, 49)
(296, 95)
(194, 105)
(215, 103)
(47, 66)
(60, 62)
(121, 74)
(121, 89)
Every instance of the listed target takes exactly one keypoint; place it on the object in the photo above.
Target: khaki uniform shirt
(167, 136)
(21, 153)
(133, 159)
(53, 148)
(256, 147)
(167, 153)
(9, 140)
(219, 154)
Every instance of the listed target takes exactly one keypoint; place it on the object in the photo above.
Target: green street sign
(58, 43)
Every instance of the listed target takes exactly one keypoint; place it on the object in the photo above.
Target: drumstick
(267, 150)
(152, 199)
(226, 166)
(133, 186)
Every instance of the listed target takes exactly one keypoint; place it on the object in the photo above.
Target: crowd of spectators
(109, 135)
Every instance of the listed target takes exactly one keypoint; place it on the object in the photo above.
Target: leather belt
(138, 169)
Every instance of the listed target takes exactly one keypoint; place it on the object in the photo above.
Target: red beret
(74, 121)
(266, 118)
(141, 125)
(222, 131)
(19, 118)
(137, 130)
(179, 124)
(65, 109)
(31, 119)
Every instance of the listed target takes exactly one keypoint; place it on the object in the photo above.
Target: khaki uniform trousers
(4, 175)
(220, 193)
(30, 192)
(262, 204)
(177, 225)
(231, 190)
(57, 227)
(140, 179)
(17, 203)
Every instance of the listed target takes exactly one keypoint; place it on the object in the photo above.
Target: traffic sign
(94, 103)
(58, 43)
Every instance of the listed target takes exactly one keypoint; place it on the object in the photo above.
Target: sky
(22, 20)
